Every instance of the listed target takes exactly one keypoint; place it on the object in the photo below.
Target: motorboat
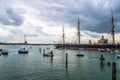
(118, 56)
(50, 54)
(4, 52)
(1, 50)
(22, 51)
(80, 55)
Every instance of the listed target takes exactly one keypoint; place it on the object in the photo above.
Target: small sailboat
(80, 55)
(118, 56)
(23, 50)
(4, 52)
(50, 54)
(1, 50)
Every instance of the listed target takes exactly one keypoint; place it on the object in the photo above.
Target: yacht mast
(63, 35)
(25, 39)
(78, 30)
(113, 30)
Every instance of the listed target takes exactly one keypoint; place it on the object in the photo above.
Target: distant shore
(24, 44)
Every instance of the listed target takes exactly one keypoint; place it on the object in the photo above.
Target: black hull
(5, 53)
(1, 50)
(105, 46)
(23, 52)
(48, 55)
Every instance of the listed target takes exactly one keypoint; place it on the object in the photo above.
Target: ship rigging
(102, 43)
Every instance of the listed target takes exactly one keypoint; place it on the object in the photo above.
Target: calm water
(36, 67)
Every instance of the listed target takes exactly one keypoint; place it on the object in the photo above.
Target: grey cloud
(19, 32)
(16, 32)
(95, 35)
(12, 18)
(99, 16)
(41, 32)
(32, 35)
(95, 18)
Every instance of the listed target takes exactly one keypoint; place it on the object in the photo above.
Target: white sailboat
(23, 50)
(4, 52)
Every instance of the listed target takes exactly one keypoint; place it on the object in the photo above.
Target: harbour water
(33, 66)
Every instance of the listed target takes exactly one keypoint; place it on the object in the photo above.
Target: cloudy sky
(42, 20)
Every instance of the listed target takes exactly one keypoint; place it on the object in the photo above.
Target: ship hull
(88, 46)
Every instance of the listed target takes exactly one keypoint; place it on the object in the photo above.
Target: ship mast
(63, 35)
(113, 30)
(78, 30)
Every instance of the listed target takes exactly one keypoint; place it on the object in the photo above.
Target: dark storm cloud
(94, 16)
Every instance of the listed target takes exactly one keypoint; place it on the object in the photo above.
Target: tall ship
(101, 45)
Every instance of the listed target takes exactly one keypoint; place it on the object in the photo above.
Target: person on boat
(51, 53)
